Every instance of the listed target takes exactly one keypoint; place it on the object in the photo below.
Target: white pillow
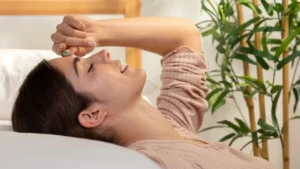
(15, 64)
(36, 151)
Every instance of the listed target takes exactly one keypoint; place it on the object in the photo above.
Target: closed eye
(91, 67)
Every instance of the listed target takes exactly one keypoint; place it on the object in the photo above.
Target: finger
(69, 31)
(73, 50)
(89, 49)
(81, 52)
(58, 37)
(71, 41)
(74, 22)
(59, 47)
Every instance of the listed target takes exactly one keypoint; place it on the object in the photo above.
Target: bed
(48, 151)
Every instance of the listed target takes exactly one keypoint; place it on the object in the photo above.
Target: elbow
(191, 36)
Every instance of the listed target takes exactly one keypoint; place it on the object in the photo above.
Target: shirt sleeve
(182, 98)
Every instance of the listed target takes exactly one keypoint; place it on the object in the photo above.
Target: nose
(105, 56)
(101, 57)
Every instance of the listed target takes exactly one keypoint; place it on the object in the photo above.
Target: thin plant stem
(258, 142)
(274, 75)
(278, 15)
(239, 109)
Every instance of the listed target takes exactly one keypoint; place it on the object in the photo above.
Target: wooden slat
(129, 8)
(61, 7)
(262, 104)
(249, 101)
(285, 92)
(133, 55)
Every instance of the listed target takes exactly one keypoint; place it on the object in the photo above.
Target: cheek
(104, 85)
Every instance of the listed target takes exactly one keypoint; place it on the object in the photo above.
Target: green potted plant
(254, 42)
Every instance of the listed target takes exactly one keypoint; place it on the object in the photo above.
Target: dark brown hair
(47, 103)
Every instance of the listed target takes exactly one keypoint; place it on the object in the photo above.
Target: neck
(141, 122)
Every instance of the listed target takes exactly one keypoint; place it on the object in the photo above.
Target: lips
(124, 67)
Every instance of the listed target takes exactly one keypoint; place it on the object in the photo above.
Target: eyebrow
(75, 61)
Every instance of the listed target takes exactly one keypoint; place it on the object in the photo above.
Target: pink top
(182, 102)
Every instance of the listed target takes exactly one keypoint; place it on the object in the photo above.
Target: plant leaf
(244, 128)
(209, 12)
(250, 33)
(274, 41)
(256, 52)
(210, 80)
(215, 107)
(274, 106)
(250, 5)
(287, 60)
(228, 11)
(278, 7)
(219, 102)
(253, 93)
(211, 127)
(276, 88)
(208, 32)
(266, 126)
(286, 42)
(221, 40)
(233, 140)
(296, 95)
(226, 84)
(212, 93)
(254, 82)
(220, 48)
(294, 118)
(268, 7)
(221, 13)
(263, 29)
(264, 42)
(255, 138)
(228, 136)
(244, 58)
(262, 63)
(268, 133)
(230, 125)
(241, 28)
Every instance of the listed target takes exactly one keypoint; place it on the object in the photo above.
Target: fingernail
(65, 53)
(61, 46)
(90, 43)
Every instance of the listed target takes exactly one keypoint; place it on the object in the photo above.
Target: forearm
(157, 35)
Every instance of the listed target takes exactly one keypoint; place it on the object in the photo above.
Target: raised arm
(158, 35)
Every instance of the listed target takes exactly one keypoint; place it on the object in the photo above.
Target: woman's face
(103, 79)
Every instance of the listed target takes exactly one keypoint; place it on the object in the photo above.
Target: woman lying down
(98, 98)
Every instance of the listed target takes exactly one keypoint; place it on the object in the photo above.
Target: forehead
(65, 65)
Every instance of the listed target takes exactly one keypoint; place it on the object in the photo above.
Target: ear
(91, 118)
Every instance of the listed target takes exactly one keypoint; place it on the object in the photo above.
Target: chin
(140, 80)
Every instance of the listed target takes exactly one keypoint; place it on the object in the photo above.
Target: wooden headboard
(129, 8)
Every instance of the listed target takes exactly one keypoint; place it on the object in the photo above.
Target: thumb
(80, 51)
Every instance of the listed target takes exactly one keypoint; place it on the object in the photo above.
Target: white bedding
(5, 125)
(40, 151)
